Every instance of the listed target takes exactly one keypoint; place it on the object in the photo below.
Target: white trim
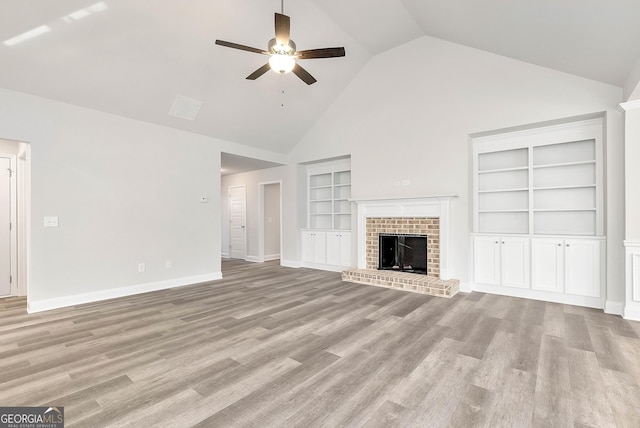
(113, 293)
(630, 105)
(252, 259)
(270, 257)
(13, 233)
(324, 266)
(632, 314)
(437, 207)
(296, 264)
(547, 296)
(614, 308)
(224, 255)
(261, 228)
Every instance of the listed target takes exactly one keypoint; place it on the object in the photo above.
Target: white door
(5, 222)
(237, 222)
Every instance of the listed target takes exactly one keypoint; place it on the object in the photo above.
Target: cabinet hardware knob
(496, 242)
(567, 245)
(503, 242)
(559, 245)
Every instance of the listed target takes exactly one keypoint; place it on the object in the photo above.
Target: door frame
(20, 215)
(244, 186)
(261, 228)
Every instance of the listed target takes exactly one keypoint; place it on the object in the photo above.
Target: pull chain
(282, 7)
(283, 92)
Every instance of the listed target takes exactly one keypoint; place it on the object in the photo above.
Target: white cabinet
(501, 260)
(538, 205)
(339, 248)
(569, 266)
(314, 246)
(328, 250)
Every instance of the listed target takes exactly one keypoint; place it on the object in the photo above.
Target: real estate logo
(31, 417)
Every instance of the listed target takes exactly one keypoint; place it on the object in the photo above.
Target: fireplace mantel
(429, 207)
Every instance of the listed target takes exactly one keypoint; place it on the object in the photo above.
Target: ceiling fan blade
(283, 29)
(304, 75)
(241, 47)
(259, 72)
(320, 53)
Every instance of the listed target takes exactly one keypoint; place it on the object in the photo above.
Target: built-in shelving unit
(538, 223)
(326, 242)
(547, 187)
(329, 194)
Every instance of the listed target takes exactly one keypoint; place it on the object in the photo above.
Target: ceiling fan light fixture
(281, 63)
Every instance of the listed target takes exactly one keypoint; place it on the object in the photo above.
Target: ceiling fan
(282, 52)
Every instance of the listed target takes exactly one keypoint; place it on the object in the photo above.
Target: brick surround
(404, 225)
(431, 283)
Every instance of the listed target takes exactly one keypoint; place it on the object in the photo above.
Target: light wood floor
(272, 346)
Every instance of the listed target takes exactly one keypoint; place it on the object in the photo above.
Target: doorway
(6, 207)
(14, 224)
(237, 222)
(270, 221)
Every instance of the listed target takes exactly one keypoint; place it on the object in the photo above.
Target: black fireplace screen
(401, 252)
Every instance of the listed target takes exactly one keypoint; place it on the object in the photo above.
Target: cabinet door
(333, 248)
(339, 248)
(547, 263)
(345, 249)
(486, 259)
(582, 267)
(308, 246)
(314, 247)
(514, 258)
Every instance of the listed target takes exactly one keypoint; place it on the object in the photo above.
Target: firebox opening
(402, 252)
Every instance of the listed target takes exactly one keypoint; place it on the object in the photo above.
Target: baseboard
(271, 257)
(113, 293)
(632, 314)
(252, 259)
(466, 287)
(225, 255)
(547, 296)
(290, 263)
(614, 308)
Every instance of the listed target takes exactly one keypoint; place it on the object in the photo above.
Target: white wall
(409, 113)
(126, 192)
(288, 175)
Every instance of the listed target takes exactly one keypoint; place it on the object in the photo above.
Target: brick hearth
(426, 284)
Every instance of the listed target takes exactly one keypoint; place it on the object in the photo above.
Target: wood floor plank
(269, 346)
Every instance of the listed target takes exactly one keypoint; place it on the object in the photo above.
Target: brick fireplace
(423, 216)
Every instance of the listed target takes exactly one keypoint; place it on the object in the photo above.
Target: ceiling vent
(185, 108)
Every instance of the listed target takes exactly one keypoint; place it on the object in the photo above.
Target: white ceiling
(135, 57)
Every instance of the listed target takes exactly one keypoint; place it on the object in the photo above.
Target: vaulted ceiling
(134, 57)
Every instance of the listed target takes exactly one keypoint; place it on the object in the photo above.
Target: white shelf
(579, 186)
(561, 165)
(520, 189)
(491, 171)
(503, 211)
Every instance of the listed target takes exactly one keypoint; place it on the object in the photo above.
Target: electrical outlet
(406, 182)
(51, 222)
(141, 267)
